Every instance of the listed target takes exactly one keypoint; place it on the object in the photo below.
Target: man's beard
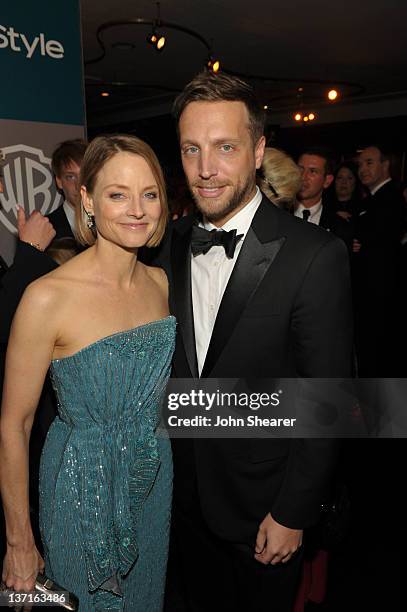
(240, 194)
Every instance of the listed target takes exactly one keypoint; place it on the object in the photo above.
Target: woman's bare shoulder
(54, 288)
(43, 292)
(158, 275)
(74, 266)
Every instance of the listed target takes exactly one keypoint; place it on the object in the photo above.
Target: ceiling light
(297, 116)
(152, 38)
(213, 65)
(311, 116)
(303, 95)
(306, 118)
(160, 43)
(105, 94)
(156, 40)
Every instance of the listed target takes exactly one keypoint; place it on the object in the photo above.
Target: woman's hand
(21, 568)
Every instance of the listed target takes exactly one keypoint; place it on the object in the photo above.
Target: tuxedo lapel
(254, 260)
(181, 274)
(323, 220)
(327, 219)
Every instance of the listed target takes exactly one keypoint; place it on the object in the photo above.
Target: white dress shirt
(70, 214)
(315, 212)
(373, 191)
(210, 273)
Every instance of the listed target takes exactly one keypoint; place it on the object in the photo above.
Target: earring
(90, 222)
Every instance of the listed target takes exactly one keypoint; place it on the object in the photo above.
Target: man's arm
(322, 331)
(29, 264)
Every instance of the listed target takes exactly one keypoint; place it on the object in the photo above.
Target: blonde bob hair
(100, 151)
(280, 178)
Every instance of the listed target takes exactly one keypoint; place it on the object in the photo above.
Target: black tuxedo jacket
(61, 224)
(380, 225)
(330, 221)
(285, 313)
(380, 222)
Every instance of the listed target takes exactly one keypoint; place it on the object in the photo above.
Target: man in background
(37, 231)
(317, 175)
(377, 258)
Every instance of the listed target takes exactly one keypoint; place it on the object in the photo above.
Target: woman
(101, 321)
(347, 191)
(280, 178)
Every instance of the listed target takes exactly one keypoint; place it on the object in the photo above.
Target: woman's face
(125, 201)
(345, 183)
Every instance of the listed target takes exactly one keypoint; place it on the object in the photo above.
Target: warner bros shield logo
(27, 181)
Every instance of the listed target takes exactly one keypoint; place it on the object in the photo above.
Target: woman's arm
(29, 353)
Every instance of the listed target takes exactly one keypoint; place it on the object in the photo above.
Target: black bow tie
(202, 240)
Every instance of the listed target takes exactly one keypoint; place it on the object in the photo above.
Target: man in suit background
(377, 259)
(36, 233)
(66, 166)
(317, 170)
(257, 294)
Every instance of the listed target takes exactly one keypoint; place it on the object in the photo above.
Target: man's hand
(344, 214)
(37, 229)
(356, 246)
(276, 543)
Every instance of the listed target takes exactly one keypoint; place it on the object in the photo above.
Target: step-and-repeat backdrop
(41, 103)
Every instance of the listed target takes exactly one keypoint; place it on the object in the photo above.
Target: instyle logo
(30, 45)
(28, 181)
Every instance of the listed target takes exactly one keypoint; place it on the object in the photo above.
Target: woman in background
(348, 191)
(280, 178)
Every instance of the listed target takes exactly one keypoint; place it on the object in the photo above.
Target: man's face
(219, 157)
(68, 182)
(314, 179)
(372, 171)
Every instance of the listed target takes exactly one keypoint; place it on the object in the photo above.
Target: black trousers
(207, 574)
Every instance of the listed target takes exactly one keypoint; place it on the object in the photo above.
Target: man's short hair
(67, 152)
(325, 154)
(210, 87)
(385, 153)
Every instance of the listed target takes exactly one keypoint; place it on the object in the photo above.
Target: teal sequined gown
(106, 474)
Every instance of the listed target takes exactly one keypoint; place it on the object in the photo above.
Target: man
(317, 175)
(271, 303)
(379, 327)
(377, 249)
(36, 233)
(66, 165)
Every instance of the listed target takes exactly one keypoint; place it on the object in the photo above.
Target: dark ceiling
(363, 43)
